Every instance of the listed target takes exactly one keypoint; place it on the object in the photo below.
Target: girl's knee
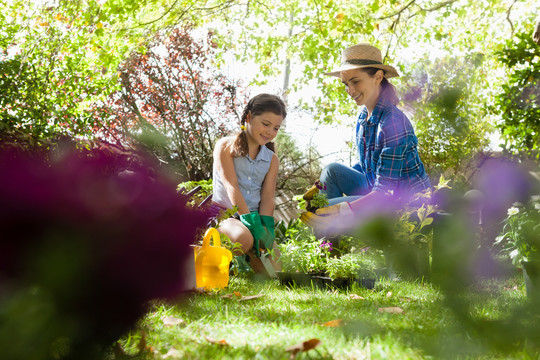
(237, 233)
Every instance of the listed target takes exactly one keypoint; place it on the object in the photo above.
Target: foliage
(58, 57)
(300, 250)
(519, 99)
(449, 113)
(200, 195)
(173, 101)
(344, 266)
(319, 30)
(315, 200)
(297, 169)
(352, 265)
(520, 236)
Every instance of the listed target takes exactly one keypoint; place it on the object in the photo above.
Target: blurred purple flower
(101, 245)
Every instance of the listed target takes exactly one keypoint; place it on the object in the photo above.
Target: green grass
(263, 328)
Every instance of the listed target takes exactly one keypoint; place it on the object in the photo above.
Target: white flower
(513, 211)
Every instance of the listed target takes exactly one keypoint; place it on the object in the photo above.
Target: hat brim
(389, 71)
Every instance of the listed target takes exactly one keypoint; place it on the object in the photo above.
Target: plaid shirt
(387, 149)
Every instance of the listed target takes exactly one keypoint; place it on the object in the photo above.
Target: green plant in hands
(520, 236)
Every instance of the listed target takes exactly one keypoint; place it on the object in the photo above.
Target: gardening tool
(265, 259)
(212, 262)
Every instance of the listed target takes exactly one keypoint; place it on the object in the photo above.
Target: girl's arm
(223, 160)
(266, 207)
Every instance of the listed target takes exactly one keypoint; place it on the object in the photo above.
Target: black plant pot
(366, 283)
(327, 282)
(294, 278)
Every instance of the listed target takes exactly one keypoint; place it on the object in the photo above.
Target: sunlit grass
(214, 327)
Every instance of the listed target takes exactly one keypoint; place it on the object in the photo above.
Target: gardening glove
(253, 222)
(314, 190)
(327, 218)
(310, 193)
(268, 239)
(343, 208)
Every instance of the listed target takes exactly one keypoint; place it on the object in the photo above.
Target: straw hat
(360, 56)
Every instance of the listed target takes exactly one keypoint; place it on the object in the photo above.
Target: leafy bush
(520, 237)
(519, 101)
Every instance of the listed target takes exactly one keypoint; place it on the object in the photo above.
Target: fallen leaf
(333, 323)
(227, 296)
(143, 346)
(303, 346)
(251, 297)
(356, 297)
(217, 342)
(391, 309)
(237, 294)
(172, 353)
(172, 321)
(388, 294)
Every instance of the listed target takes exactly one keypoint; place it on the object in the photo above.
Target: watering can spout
(212, 262)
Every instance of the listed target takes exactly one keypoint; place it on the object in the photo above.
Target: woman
(386, 143)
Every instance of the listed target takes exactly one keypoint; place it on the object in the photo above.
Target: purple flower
(100, 242)
(326, 246)
(320, 185)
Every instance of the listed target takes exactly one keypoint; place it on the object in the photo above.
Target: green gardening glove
(269, 236)
(253, 222)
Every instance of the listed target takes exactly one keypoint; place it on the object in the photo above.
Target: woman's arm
(224, 164)
(266, 207)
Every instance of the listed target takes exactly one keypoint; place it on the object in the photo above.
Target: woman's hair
(388, 90)
(257, 105)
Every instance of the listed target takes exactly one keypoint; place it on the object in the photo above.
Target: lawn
(395, 320)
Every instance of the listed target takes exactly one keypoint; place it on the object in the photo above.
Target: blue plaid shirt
(387, 149)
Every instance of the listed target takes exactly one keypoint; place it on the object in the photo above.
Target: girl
(386, 143)
(244, 174)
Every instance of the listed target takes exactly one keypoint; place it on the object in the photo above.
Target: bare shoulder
(224, 143)
(275, 160)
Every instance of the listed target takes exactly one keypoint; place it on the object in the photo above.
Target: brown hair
(257, 105)
(388, 90)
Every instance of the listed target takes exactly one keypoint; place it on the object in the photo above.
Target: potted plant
(301, 256)
(520, 239)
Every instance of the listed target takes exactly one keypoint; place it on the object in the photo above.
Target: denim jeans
(343, 183)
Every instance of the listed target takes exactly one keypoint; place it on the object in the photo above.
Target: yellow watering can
(212, 262)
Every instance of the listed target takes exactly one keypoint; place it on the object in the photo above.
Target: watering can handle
(212, 232)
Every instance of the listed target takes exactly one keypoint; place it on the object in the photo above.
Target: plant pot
(531, 276)
(327, 282)
(366, 282)
(293, 278)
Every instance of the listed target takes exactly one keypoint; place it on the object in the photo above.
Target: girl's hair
(257, 105)
(388, 90)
